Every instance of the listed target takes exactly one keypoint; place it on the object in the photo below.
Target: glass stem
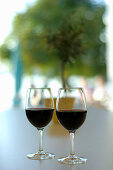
(72, 149)
(40, 136)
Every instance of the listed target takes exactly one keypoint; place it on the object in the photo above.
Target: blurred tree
(62, 31)
(5, 52)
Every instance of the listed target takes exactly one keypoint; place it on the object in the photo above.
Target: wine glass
(71, 112)
(39, 111)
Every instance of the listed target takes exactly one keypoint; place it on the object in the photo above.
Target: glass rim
(40, 88)
(71, 88)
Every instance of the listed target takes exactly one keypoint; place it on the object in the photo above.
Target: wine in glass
(39, 111)
(71, 112)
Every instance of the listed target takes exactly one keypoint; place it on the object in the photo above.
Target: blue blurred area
(17, 68)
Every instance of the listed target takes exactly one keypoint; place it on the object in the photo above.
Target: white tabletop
(94, 140)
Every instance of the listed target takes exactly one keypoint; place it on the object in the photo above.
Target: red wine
(71, 119)
(39, 117)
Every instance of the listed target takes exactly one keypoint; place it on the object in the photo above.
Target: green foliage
(67, 41)
(5, 52)
(68, 31)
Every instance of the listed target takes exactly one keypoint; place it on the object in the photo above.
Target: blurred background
(60, 43)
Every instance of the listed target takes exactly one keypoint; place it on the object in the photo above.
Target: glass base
(72, 160)
(41, 156)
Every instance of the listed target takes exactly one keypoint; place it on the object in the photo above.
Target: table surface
(94, 140)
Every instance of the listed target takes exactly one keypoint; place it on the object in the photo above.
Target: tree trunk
(63, 74)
